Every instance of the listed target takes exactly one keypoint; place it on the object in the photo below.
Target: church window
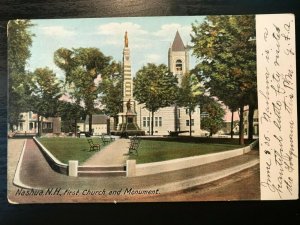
(159, 121)
(187, 123)
(145, 122)
(178, 65)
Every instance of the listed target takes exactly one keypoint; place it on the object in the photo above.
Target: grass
(155, 151)
(65, 149)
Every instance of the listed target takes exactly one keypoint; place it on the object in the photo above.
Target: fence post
(73, 168)
(130, 168)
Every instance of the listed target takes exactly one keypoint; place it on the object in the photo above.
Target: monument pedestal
(127, 125)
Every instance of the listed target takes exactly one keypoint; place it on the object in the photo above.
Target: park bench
(106, 140)
(93, 147)
(134, 145)
(86, 134)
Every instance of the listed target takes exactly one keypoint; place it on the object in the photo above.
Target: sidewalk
(112, 154)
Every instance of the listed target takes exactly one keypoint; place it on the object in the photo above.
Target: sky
(149, 38)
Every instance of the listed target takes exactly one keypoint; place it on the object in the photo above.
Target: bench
(93, 147)
(134, 145)
(106, 140)
(86, 134)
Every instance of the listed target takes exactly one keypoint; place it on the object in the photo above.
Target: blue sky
(149, 38)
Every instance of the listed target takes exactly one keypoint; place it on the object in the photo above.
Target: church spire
(178, 45)
(126, 40)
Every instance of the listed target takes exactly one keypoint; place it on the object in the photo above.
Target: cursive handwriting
(276, 90)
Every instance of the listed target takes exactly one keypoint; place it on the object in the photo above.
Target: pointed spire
(126, 40)
(178, 45)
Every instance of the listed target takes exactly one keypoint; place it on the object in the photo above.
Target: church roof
(178, 45)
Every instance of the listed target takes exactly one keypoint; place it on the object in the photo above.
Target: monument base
(127, 133)
(127, 125)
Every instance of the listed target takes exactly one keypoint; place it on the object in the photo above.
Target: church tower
(178, 58)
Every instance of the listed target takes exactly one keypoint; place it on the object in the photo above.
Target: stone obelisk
(127, 117)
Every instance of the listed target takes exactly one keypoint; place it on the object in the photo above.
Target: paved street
(35, 172)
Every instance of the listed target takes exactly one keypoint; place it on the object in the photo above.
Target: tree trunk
(38, 125)
(250, 119)
(75, 132)
(176, 118)
(190, 117)
(241, 126)
(152, 117)
(231, 126)
(90, 123)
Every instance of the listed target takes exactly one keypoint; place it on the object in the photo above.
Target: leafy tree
(82, 66)
(70, 113)
(110, 90)
(214, 121)
(46, 92)
(19, 42)
(228, 60)
(189, 94)
(155, 87)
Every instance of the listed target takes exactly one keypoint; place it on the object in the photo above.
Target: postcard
(152, 109)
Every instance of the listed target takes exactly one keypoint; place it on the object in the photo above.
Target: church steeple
(178, 58)
(178, 45)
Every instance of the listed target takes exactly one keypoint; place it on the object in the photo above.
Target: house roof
(178, 45)
(97, 119)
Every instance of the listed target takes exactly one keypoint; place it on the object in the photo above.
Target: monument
(127, 117)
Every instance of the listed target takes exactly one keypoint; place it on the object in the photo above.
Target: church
(167, 119)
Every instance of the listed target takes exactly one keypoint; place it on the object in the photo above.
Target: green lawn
(65, 149)
(155, 151)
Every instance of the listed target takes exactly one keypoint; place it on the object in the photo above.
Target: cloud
(114, 34)
(57, 31)
(167, 32)
(153, 58)
(120, 28)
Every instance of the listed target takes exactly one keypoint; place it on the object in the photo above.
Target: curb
(17, 181)
(185, 184)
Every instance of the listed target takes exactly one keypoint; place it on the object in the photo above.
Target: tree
(227, 59)
(155, 87)
(19, 42)
(46, 92)
(214, 121)
(189, 94)
(70, 113)
(82, 66)
(110, 90)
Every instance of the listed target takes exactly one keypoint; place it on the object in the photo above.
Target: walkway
(36, 173)
(113, 154)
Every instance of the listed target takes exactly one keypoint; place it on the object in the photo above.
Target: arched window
(178, 65)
